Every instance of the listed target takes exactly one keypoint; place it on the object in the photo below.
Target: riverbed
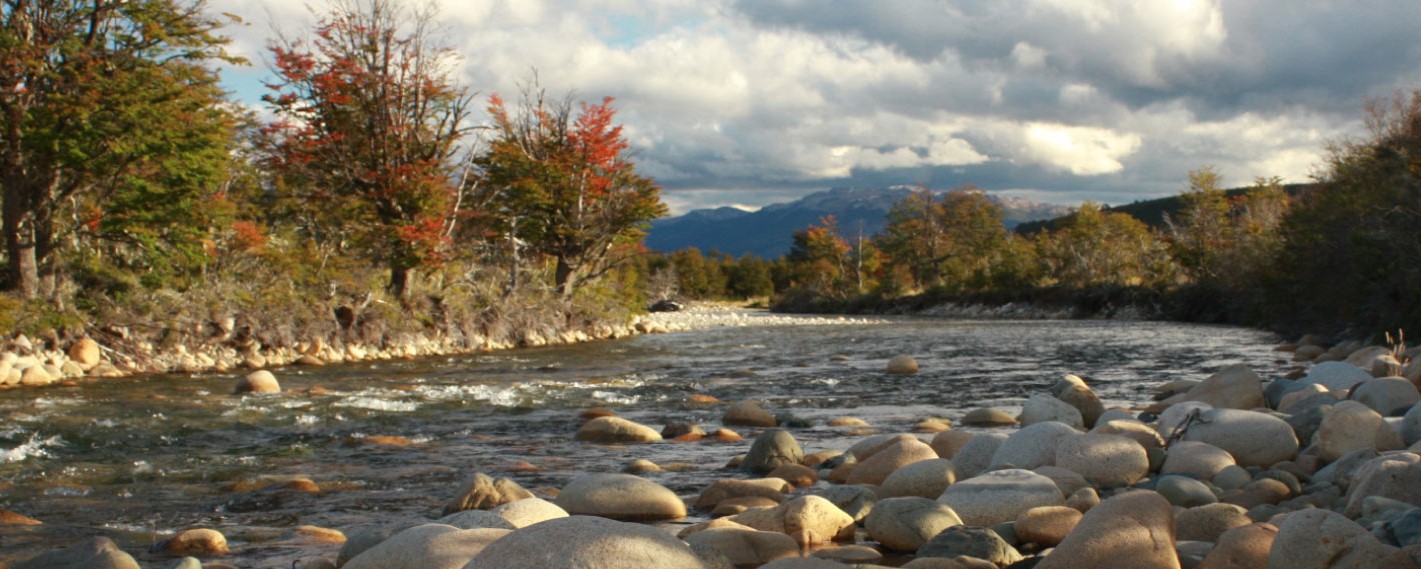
(389, 443)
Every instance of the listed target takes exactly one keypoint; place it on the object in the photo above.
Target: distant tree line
(127, 172)
(1340, 255)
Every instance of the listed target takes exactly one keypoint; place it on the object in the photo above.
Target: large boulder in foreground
(1353, 426)
(1000, 496)
(620, 497)
(429, 546)
(583, 542)
(1129, 531)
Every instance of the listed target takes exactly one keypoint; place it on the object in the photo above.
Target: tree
(562, 182)
(101, 99)
(369, 122)
(1094, 248)
(1350, 246)
(819, 259)
(948, 241)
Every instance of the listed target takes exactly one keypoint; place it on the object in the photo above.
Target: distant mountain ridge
(767, 233)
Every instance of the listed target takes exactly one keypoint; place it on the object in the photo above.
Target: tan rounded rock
(580, 542)
(1353, 426)
(924, 479)
(1047, 525)
(905, 524)
(1235, 387)
(529, 511)
(877, 467)
(1196, 459)
(616, 430)
(1323, 539)
(947, 443)
(200, 542)
(1208, 522)
(797, 475)
(1243, 547)
(1250, 437)
(725, 489)
(809, 519)
(1000, 496)
(1128, 531)
(749, 414)
(620, 497)
(260, 381)
(902, 365)
(1105, 461)
(988, 417)
(483, 492)
(86, 353)
(745, 547)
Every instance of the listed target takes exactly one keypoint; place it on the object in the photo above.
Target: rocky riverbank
(1320, 469)
(26, 362)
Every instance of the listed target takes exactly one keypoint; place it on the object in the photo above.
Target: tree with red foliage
(561, 182)
(369, 121)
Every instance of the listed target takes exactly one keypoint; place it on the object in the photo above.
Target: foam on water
(374, 403)
(35, 447)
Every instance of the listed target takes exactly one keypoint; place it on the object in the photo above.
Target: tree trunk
(399, 281)
(18, 227)
(564, 278)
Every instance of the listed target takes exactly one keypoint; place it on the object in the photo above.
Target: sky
(750, 102)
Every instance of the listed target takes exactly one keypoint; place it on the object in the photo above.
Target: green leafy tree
(110, 109)
(561, 181)
(369, 122)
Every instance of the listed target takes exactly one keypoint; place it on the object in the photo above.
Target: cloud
(751, 101)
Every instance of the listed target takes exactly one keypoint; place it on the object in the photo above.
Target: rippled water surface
(137, 459)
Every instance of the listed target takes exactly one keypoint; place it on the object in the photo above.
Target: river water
(138, 459)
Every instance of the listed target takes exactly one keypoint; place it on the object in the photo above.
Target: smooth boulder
(529, 511)
(1323, 539)
(745, 547)
(878, 466)
(772, 449)
(620, 497)
(1104, 460)
(1033, 445)
(1129, 531)
(1250, 437)
(809, 519)
(93, 553)
(979, 542)
(1000, 496)
(1353, 426)
(1040, 408)
(616, 430)
(905, 524)
(748, 414)
(260, 381)
(902, 365)
(1235, 387)
(584, 542)
(483, 492)
(429, 546)
(924, 479)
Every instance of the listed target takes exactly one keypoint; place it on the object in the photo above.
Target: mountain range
(768, 232)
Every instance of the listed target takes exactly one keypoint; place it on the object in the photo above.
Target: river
(137, 459)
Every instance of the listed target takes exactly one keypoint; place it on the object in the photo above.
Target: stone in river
(1208, 522)
(186, 563)
(1385, 395)
(1338, 377)
(1130, 530)
(1047, 525)
(1033, 445)
(988, 417)
(11, 518)
(772, 449)
(584, 542)
(877, 467)
(1236, 387)
(745, 547)
(1243, 547)
(482, 492)
(428, 546)
(85, 352)
(529, 511)
(725, 489)
(749, 414)
(809, 519)
(902, 365)
(925, 479)
(1085, 401)
(1000, 496)
(616, 430)
(1104, 460)
(972, 459)
(905, 524)
(472, 519)
(260, 381)
(1196, 459)
(620, 497)
(1396, 476)
(1040, 408)
(856, 501)
(1252, 438)
(1184, 491)
(797, 475)
(947, 443)
(1353, 426)
(1323, 539)
(93, 553)
(979, 542)
(199, 542)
